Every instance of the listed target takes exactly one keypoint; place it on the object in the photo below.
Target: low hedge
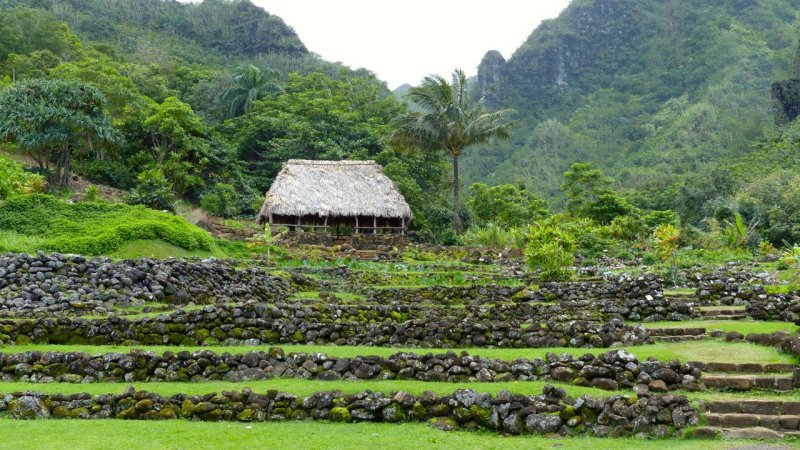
(94, 228)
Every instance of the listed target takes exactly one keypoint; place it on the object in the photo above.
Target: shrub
(15, 180)
(153, 191)
(591, 239)
(655, 219)
(666, 243)
(92, 194)
(765, 247)
(221, 200)
(551, 250)
(495, 236)
(507, 205)
(649, 259)
(667, 238)
(627, 228)
(111, 172)
(94, 228)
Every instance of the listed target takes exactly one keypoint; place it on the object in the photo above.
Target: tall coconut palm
(447, 120)
(252, 84)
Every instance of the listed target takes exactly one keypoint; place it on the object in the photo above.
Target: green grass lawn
(742, 326)
(304, 388)
(181, 434)
(155, 248)
(707, 351)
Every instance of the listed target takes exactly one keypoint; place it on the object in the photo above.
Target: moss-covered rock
(443, 423)
(340, 414)
(61, 412)
(246, 415)
(27, 407)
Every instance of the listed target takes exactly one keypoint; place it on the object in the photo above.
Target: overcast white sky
(403, 41)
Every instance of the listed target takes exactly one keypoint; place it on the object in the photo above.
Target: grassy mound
(40, 222)
(153, 248)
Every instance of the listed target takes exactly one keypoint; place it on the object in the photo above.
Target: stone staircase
(723, 312)
(750, 419)
(677, 334)
(746, 377)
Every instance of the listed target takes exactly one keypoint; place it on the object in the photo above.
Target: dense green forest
(207, 100)
(629, 115)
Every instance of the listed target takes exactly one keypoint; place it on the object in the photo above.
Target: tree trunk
(456, 206)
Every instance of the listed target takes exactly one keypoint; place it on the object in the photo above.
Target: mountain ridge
(645, 90)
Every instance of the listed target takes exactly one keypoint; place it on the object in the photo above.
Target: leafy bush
(649, 259)
(153, 191)
(109, 172)
(655, 219)
(765, 247)
(92, 194)
(507, 205)
(551, 250)
(14, 180)
(591, 239)
(93, 228)
(495, 236)
(667, 239)
(221, 200)
(627, 228)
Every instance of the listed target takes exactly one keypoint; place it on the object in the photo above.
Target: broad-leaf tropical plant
(448, 120)
(52, 120)
(251, 84)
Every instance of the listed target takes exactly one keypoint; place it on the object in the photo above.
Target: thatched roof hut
(355, 195)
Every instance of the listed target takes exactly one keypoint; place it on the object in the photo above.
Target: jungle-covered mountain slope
(654, 92)
(212, 30)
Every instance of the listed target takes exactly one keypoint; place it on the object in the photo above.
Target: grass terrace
(709, 350)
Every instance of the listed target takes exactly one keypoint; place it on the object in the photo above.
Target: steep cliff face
(489, 71)
(786, 95)
(588, 44)
(785, 100)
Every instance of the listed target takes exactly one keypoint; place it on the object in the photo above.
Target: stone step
(739, 308)
(679, 338)
(747, 382)
(784, 368)
(772, 422)
(763, 407)
(740, 433)
(676, 331)
(739, 317)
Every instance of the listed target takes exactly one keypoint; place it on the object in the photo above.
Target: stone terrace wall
(48, 284)
(443, 295)
(257, 323)
(551, 412)
(784, 307)
(608, 371)
(623, 288)
(648, 309)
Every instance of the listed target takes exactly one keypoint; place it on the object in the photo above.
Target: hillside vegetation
(30, 223)
(654, 93)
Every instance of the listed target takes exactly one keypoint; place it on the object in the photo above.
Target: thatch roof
(333, 188)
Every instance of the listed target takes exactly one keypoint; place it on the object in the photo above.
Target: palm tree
(448, 120)
(252, 84)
